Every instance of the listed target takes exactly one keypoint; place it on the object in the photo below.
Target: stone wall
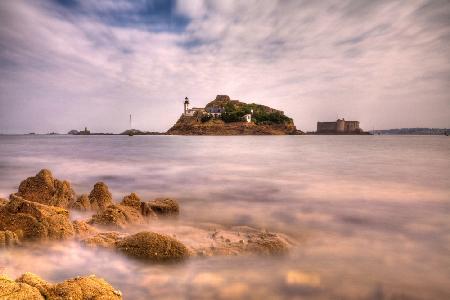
(340, 126)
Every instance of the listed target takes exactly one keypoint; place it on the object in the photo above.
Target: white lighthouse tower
(186, 105)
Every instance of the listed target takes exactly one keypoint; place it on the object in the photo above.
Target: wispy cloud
(70, 64)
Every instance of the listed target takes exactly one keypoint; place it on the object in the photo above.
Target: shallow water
(369, 214)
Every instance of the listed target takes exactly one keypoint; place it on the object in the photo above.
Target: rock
(35, 221)
(83, 229)
(3, 201)
(36, 282)
(267, 244)
(44, 189)
(240, 240)
(164, 206)
(152, 246)
(12, 290)
(82, 203)
(100, 197)
(132, 200)
(147, 212)
(88, 287)
(8, 239)
(103, 239)
(117, 216)
(78, 288)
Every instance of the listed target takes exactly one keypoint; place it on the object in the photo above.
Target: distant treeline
(418, 131)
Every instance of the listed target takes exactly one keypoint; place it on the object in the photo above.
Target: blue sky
(66, 64)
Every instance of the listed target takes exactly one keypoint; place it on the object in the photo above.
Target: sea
(368, 216)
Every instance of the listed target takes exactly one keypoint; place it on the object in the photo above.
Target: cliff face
(265, 121)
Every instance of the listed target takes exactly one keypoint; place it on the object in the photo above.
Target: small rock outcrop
(267, 244)
(152, 246)
(163, 206)
(244, 240)
(103, 239)
(8, 239)
(132, 200)
(44, 189)
(143, 245)
(35, 221)
(12, 290)
(82, 203)
(117, 216)
(100, 197)
(83, 229)
(31, 286)
(3, 201)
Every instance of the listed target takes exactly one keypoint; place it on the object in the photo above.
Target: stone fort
(340, 126)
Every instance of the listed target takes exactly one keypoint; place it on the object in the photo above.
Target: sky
(68, 64)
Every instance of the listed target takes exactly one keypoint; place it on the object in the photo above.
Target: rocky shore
(40, 211)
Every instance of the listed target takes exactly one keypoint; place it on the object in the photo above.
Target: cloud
(70, 64)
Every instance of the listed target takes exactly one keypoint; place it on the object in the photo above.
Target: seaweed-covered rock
(36, 282)
(267, 244)
(100, 197)
(44, 189)
(35, 221)
(3, 201)
(78, 288)
(88, 287)
(12, 290)
(103, 239)
(164, 206)
(8, 238)
(117, 216)
(152, 246)
(82, 203)
(83, 229)
(132, 200)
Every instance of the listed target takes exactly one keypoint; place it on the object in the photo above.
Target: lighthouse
(186, 105)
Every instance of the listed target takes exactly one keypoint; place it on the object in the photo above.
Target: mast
(130, 123)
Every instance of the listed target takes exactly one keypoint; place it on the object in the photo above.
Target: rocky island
(224, 116)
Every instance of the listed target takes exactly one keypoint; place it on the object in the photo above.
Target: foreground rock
(12, 290)
(152, 246)
(104, 239)
(34, 221)
(132, 200)
(3, 201)
(45, 189)
(100, 197)
(8, 239)
(82, 203)
(30, 286)
(83, 229)
(117, 216)
(131, 211)
(238, 240)
(143, 245)
(162, 206)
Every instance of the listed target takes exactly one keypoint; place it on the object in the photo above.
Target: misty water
(369, 215)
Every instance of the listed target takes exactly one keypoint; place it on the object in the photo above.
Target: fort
(341, 126)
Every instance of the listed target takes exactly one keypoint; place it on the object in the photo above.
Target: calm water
(370, 214)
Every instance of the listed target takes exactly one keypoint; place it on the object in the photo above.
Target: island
(224, 116)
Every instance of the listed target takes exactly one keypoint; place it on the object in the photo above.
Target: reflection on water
(370, 214)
